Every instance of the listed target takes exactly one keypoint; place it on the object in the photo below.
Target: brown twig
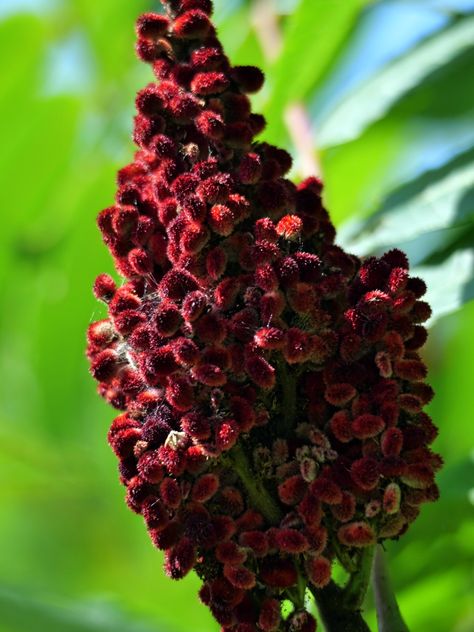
(299, 126)
(265, 22)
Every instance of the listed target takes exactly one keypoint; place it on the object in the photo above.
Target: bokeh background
(376, 96)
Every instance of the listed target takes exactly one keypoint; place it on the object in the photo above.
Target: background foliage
(381, 100)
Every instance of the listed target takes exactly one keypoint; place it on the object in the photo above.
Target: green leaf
(241, 42)
(450, 284)
(109, 30)
(358, 174)
(431, 218)
(444, 93)
(420, 216)
(22, 612)
(314, 34)
(373, 98)
(30, 32)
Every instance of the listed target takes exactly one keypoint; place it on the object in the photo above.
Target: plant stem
(259, 495)
(296, 594)
(356, 587)
(339, 608)
(335, 616)
(298, 124)
(265, 21)
(389, 617)
(344, 558)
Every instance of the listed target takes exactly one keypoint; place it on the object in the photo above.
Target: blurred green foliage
(394, 145)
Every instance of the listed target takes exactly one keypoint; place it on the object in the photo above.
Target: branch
(335, 616)
(299, 127)
(265, 23)
(389, 617)
(258, 494)
(356, 588)
(343, 556)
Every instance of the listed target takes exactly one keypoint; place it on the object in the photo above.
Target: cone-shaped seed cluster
(242, 327)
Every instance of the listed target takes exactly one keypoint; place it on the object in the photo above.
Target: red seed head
(319, 571)
(216, 261)
(221, 220)
(239, 576)
(227, 433)
(340, 394)
(105, 365)
(156, 515)
(193, 305)
(180, 559)
(391, 442)
(326, 490)
(205, 488)
(419, 475)
(210, 124)
(391, 498)
(230, 553)
(193, 24)
(206, 83)
(411, 370)
(367, 426)
(270, 615)
(167, 319)
(260, 372)
(123, 436)
(249, 78)
(203, 5)
(292, 490)
(310, 510)
(209, 374)
(152, 26)
(301, 621)
(341, 426)
(104, 287)
(165, 538)
(234, 295)
(250, 520)
(186, 353)
(357, 534)
(278, 572)
(173, 460)
(270, 338)
(179, 392)
(150, 468)
(290, 227)
(170, 493)
(196, 425)
(346, 509)
(256, 541)
(365, 473)
(250, 168)
(291, 541)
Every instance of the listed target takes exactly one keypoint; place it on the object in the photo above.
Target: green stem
(356, 588)
(335, 616)
(259, 495)
(297, 593)
(262, 500)
(389, 617)
(344, 558)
